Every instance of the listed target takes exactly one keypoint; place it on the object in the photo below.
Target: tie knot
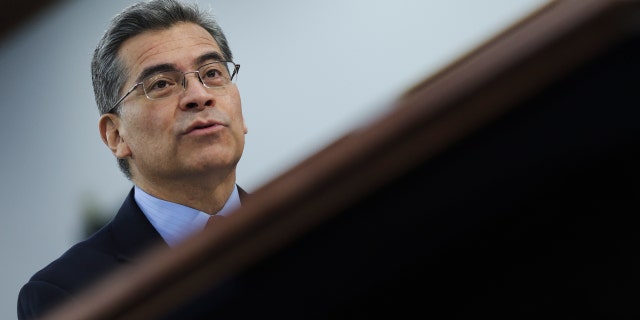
(213, 220)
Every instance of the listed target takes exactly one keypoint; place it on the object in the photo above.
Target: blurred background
(311, 72)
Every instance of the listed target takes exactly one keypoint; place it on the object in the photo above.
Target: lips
(202, 125)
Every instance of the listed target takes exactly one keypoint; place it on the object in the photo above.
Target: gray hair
(107, 70)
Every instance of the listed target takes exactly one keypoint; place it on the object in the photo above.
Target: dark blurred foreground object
(17, 13)
(507, 186)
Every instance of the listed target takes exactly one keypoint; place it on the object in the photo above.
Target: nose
(196, 95)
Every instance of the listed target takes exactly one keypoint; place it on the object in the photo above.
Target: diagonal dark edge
(433, 115)
(18, 12)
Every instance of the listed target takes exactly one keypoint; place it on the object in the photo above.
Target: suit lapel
(132, 232)
(243, 194)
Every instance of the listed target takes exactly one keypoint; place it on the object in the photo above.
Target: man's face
(194, 134)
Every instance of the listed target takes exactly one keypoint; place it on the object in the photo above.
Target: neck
(207, 195)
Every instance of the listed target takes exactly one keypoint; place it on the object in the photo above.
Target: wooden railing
(505, 185)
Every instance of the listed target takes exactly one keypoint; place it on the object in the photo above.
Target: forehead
(180, 45)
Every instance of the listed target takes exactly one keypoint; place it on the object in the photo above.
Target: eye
(161, 85)
(214, 74)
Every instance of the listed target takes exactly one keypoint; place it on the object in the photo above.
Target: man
(171, 115)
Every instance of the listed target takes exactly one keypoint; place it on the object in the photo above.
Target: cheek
(144, 127)
(236, 104)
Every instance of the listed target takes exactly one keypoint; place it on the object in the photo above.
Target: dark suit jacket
(116, 244)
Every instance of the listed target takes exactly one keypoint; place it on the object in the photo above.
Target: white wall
(311, 71)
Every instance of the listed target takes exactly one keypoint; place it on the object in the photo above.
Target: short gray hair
(107, 70)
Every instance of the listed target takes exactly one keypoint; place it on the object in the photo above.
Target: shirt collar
(175, 222)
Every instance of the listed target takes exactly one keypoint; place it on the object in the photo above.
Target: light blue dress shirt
(176, 222)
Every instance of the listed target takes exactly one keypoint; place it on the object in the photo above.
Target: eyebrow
(146, 72)
(155, 69)
(213, 55)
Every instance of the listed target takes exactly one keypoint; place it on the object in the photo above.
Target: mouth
(204, 127)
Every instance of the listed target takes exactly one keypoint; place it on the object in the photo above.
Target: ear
(112, 135)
